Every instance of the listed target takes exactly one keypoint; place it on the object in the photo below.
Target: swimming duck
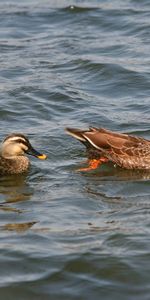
(126, 151)
(12, 154)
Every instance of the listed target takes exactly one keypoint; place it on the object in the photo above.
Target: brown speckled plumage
(17, 165)
(126, 151)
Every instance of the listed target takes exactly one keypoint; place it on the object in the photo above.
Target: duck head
(18, 145)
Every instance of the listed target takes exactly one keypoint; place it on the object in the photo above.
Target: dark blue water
(65, 234)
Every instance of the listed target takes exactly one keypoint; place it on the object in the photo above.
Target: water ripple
(66, 234)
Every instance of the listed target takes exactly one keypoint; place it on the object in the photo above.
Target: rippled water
(66, 234)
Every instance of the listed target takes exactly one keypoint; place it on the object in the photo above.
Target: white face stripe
(15, 138)
(76, 136)
(92, 143)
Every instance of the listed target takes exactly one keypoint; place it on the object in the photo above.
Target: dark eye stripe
(20, 141)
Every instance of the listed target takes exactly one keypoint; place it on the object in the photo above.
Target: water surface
(66, 234)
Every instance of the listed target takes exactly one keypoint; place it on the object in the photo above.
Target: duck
(13, 150)
(103, 146)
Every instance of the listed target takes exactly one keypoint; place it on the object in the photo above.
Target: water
(66, 234)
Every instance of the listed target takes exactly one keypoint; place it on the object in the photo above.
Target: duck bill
(35, 153)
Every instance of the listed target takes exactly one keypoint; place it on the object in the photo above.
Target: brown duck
(126, 151)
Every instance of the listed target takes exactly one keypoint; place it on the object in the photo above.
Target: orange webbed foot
(94, 164)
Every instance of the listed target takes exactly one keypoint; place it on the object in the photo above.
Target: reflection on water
(14, 188)
(113, 172)
(116, 185)
(18, 227)
(11, 209)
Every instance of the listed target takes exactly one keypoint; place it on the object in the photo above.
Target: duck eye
(20, 141)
